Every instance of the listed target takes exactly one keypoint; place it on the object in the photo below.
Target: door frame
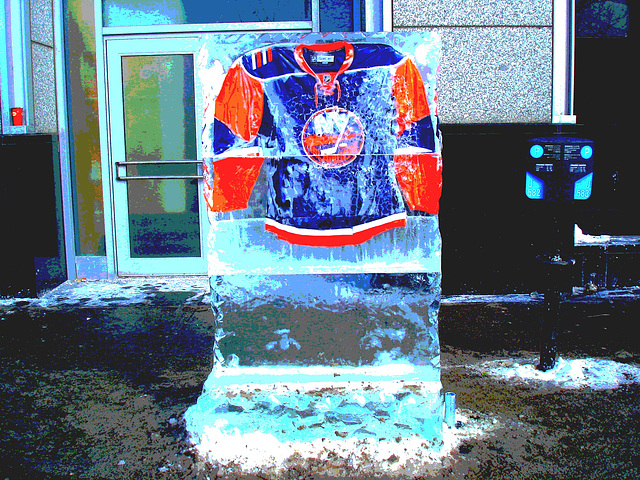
(122, 264)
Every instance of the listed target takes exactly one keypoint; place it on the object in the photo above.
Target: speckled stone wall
(497, 57)
(43, 66)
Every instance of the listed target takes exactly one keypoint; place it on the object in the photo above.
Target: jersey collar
(331, 77)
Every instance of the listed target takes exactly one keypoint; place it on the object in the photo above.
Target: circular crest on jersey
(333, 137)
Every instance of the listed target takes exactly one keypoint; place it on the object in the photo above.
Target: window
(598, 18)
(334, 15)
(168, 12)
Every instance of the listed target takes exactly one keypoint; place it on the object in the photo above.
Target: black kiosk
(559, 171)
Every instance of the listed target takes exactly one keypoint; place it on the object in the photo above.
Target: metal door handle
(124, 176)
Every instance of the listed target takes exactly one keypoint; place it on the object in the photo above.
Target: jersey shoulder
(371, 55)
(270, 61)
(279, 60)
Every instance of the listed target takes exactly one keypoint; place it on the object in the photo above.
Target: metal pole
(557, 273)
(549, 330)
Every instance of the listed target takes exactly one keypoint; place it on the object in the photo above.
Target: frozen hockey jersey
(345, 135)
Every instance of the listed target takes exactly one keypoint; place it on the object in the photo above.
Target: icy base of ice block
(316, 403)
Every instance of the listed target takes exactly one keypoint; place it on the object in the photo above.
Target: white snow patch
(125, 291)
(597, 374)
(581, 238)
(509, 298)
(578, 295)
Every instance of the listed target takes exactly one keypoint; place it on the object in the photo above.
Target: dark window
(335, 15)
(118, 13)
(604, 105)
(341, 16)
(598, 18)
(199, 11)
(603, 62)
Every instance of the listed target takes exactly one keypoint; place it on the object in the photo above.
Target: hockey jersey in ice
(345, 133)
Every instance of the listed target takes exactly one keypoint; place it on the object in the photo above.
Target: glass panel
(340, 16)
(120, 13)
(85, 130)
(159, 117)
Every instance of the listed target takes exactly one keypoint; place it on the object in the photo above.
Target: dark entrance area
(491, 232)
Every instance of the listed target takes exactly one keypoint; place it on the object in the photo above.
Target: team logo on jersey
(333, 137)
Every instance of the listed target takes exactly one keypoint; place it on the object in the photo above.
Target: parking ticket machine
(558, 170)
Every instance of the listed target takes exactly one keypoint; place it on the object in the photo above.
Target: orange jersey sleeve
(240, 103)
(410, 95)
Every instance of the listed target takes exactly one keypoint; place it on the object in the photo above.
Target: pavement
(95, 375)
(600, 321)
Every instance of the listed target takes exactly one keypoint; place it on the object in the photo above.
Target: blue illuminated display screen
(582, 188)
(534, 187)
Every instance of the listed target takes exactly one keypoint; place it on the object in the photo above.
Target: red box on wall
(16, 116)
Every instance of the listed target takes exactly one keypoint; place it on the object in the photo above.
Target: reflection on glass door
(158, 216)
(159, 122)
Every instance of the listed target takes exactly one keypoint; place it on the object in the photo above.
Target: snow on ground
(135, 290)
(578, 295)
(125, 291)
(585, 239)
(582, 239)
(594, 373)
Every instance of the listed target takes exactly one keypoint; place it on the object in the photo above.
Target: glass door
(158, 216)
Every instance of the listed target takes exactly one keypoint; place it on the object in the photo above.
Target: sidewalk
(95, 377)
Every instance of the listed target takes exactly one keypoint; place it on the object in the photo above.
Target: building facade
(92, 88)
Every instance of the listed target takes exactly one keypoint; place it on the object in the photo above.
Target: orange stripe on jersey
(240, 103)
(335, 240)
(411, 98)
